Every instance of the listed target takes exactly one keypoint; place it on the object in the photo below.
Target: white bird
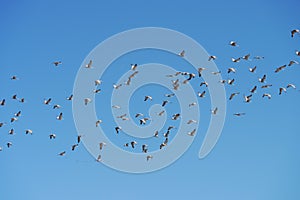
(235, 60)
(11, 131)
(252, 69)
(231, 69)
(292, 62)
(216, 73)
(214, 111)
(47, 101)
(97, 91)
(98, 82)
(101, 145)
(192, 133)
(291, 86)
(13, 119)
(118, 128)
(297, 53)
(18, 114)
(116, 106)
(22, 100)
(263, 79)
(133, 143)
(175, 116)
(204, 83)
(200, 69)
(182, 53)
(267, 95)
(282, 89)
(60, 116)
(247, 98)
(0, 148)
(52, 136)
(192, 104)
(87, 100)
(143, 121)
(191, 121)
(202, 94)
(246, 57)
(147, 97)
(233, 43)
(293, 32)
(156, 134)
(230, 82)
(56, 106)
(89, 65)
(212, 58)
(70, 97)
(138, 115)
(149, 157)
(28, 131)
(99, 121)
(266, 86)
(56, 63)
(133, 66)
(233, 95)
(98, 158)
(117, 86)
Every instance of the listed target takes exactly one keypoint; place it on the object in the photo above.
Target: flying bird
(212, 58)
(2, 103)
(70, 97)
(133, 66)
(252, 69)
(28, 131)
(74, 147)
(182, 53)
(231, 69)
(133, 143)
(149, 157)
(52, 136)
(202, 94)
(291, 86)
(56, 63)
(9, 144)
(118, 128)
(263, 79)
(239, 114)
(47, 101)
(192, 133)
(89, 65)
(280, 68)
(62, 153)
(60, 116)
(98, 82)
(147, 97)
(293, 32)
(282, 89)
(87, 101)
(56, 106)
(233, 43)
(101, 145)
(99, 121)
(267, 95)
(292, 62)
(175, 116)
(248, 98)
(253, 90)
(214, 111)
(233, 95)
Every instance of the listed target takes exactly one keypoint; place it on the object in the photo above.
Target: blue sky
(257, 154)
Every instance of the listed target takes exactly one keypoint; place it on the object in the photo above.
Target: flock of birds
(188, 76)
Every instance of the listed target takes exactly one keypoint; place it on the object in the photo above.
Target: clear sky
(257, 154)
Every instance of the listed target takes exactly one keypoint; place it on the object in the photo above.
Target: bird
(294, 31)
(291, 86)
(258, 57)
(297, 53)
(28, 131)
(79, 139)
(212, 58)
(200, 69)
(9, 144)
(149, 157)
(62, 153)
(192, 133)
(191, 75)
(18, 114)
(175, 116)
(70, 97)
(87, 101)
(47, 101)
(161, 113)
(233, 43)
(98, 82)
(74, 147)
(2, 124)
(252, 69)
(280, 68)
(116, 106)
(144, 120)
(248, 98)
(22, 100)
(191, 121)
(282, 89)
(233, 95)
(89, 65)
(164, 103)
(118, 128)
(14, 77)
(56, 63)
(239, 114)
(246, 57)
(133, 143)
(216, 73)
(101, 145)
(230, 82)
(133, 66)
(170, 128)
(98, 158)
(52, 136)
(182, 53)
(253, 90)
(266, 86)
(155, 134)
(13, 119)
(144, 148)
(0, 148)
(122, 116)
(97, 91)
(235, 59)
(2, 103)
(169, 95)
(267, 95)
(162, 145)
(202, 94)
(60, 116)
(214, 111)
(263, 79)
(138, 115)
(192, 104)
(147, 97)
(14, 97)
(292, 62)
(167, 133)
(133, 74)
(204, 83)
(117, 86)
(11, 131)
(231, 69)
(56, 106)
(99, 121)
